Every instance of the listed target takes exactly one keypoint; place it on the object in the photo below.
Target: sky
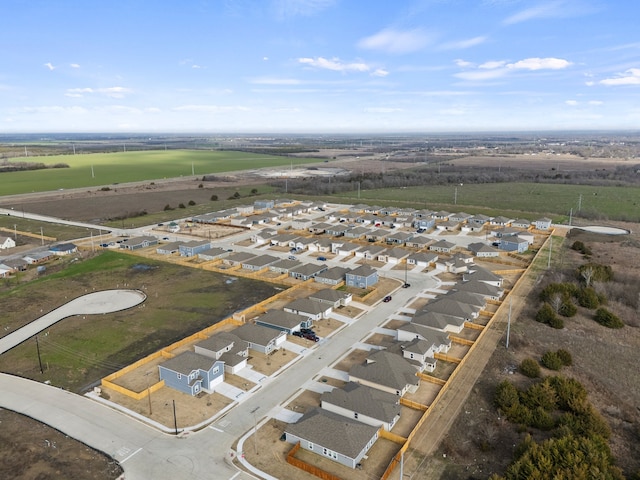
(319, 66)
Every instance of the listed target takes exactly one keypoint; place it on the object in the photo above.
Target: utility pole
(550, 248)
(175, 419)
(41, 236)
(358, 190)
(570, 215)
(509, 324)
(39, 358)
(455, 196)
(580, 202)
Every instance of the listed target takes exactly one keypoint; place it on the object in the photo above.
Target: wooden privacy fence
(312, 469)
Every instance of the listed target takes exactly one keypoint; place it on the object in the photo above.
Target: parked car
(311, 336)
(406, 285)
(387, 299)
(322, 259)
(292, 257)
(420, 230)
(297, 333)
(307, 331)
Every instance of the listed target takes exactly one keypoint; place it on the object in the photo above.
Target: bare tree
(587, 274)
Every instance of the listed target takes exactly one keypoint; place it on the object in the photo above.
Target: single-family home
(386, 371)
(192, 373)
(437, 321)
(422, 259)
(228, 348)
(256, 264)
(399, 238)
(284, 320)
(307, 271)
(460, 217)
(363, 403)
(482, 275)
(513, 243)
(309, 308)
(447, 225)
(168, 248)
(135, 243)
(421, 353)
(237, 258)
(442, 246)
(424, 223)
(448, 306)
(6, 242)
(543, 223)
(393, 255)
(259, 338)
(482, 250)
(37, 257)
(194, 247)
(357, 232)
(520, 223)
(418, 241)
(212, 254)
(338, 438)
(332, 297)
(263, 204)
(438, 338)
(284, 266)
(63, 249)
(363, 276)
(332, 276)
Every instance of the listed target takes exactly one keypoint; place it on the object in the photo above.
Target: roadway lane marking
(122, 461)
(216, 429)
(234, 475)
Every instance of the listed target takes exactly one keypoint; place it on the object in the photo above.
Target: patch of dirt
(32, 450)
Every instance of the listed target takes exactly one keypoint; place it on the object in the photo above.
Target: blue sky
(319, 66)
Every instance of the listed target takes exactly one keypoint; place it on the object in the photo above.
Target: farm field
(90, 170)
(77, 352)
(526, 199)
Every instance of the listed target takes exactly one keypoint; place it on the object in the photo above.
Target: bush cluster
(579, 246)
(605, 318)
(530, 368)
(556, 360)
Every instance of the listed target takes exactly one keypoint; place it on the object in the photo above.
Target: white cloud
(629, 77)
(499, 68)
(571, 103)
(196, 66)
(462, 44)
(74, 65)
(490, 65)
(334, 64)
(540, 64)
(552, 9)
(380, 72)
(596, 102)
(396, 41)
(50, 66)
(210, 108)
(112, 92)
(462, 63)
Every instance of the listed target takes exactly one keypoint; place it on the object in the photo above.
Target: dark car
(307, 331)
(387, 299)
(322, 259)
(406, 285)
(297, 334)
(311, 336)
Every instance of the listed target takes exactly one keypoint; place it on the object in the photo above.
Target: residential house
(332, 297)
(237, 258)
(422, 260)
(309, 308)
(194, 247)
(6, 242)
(386, 371)
(513, 244)
(399, 238)
(363, 403)
(192, 373)
(37, 257)
(448, 306)
(490, 292)
(136, 243)
(319, 228)
(256, 264)
(307, 271)
(263, 204)
(260, 338)
(363, 276)
(442, 246)
(482, 275)
(393, 255)
(228, 348)
(332, 276)
(438, 339)
(520, 223)
(447, 225)
(437, 321)
(337, 230)
(168, 248)
(543, 223)
(420, 352)
(460, 217)
(301, 223)
(283, 239)
(284, 266)
(63, 249)
(345, 248)
(357, 232)
(285, 321)
(418, 242)
(338, 438)
(425, 222)
(501, 221)
(482, 250)
(212, 254)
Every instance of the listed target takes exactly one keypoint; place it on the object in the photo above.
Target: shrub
(200, 186)
(192, 203)
(530, 368)
(506, 396)
(568, 309)
(588, 298)
(254, 191)
(214, 198)
(181, 206)
(236, 195)
(557, 323)
(545, 314)
(607, 319)
(551, 360)
(167, 207)
(565, 357)
(578, 246)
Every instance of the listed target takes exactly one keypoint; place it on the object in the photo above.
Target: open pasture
(598, 202)
(90, 170)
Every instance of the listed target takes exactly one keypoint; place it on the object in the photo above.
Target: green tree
(551, 360)
(530, 368)
(607, 319)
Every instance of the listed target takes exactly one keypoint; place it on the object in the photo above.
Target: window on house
(310, 446)
(179, 376)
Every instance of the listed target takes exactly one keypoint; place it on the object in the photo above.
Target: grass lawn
(90, 170)
(528, 199)
(79, 351)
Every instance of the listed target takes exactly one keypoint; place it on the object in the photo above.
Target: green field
(527, 199)
(91, 170)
